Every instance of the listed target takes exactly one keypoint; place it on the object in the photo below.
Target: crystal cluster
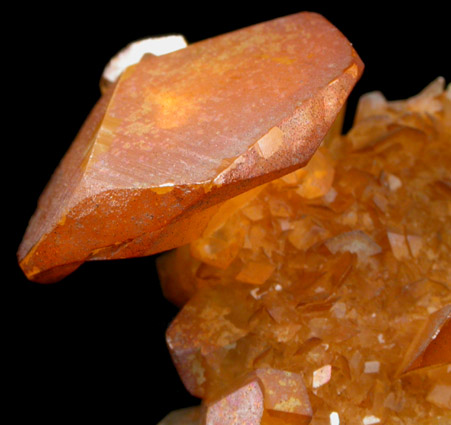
(323, 297)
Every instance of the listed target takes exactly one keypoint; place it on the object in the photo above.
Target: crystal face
(178, 134)
(338, 274)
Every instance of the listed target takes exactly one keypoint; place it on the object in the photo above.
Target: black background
(93, 344)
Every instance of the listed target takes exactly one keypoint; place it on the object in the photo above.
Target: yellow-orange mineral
(339, 274)
(180, 133)
(265, 396)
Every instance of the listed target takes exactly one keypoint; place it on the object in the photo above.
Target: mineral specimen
(178, 134)
(337, 276)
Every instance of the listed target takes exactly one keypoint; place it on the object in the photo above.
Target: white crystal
(372, 367)
(256, 293)
(339, 310)
(369, 420)
(133, 53)
(322, 376)
(330, 196)
(334, 418)
(394, 182)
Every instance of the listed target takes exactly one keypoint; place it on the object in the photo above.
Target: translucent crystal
(349, 290)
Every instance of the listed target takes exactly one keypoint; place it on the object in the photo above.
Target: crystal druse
(336, 277)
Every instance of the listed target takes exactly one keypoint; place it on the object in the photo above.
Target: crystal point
(432, 344)
(180, 133)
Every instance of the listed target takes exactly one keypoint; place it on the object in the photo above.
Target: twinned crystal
(324, 296)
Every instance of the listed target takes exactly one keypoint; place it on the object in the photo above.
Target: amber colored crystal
(264, 396)
(338, 273)
(432, 344)
(243, 405)
(180, 133)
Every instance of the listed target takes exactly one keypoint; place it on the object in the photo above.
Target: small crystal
(322, 376)
(372, 367)
(415, 244)
(440, 395)
(356, 242)
(426, 101)
(330, 196)
(316, 178)
(339, 310)
(431, 344)
(394, 402)
(261, 397)
(242, 406)
(334, 418)
(255, 273)
(370, 420)
(398, 245)
(370, 105)
(133, 53)
(394, 182)
(284, 392)
(305, 234)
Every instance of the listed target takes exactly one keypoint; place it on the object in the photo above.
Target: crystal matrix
(180, 133)
(338, 273)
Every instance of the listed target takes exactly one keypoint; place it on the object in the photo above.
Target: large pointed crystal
(178, 134)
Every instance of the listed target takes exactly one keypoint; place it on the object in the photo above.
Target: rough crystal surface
(339, 273)
(180, 133)
(243, 405)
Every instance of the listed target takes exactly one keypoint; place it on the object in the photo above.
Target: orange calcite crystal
(243, 405)
(264, 396)
(432, 345)
(338, 274)
(180, 133)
